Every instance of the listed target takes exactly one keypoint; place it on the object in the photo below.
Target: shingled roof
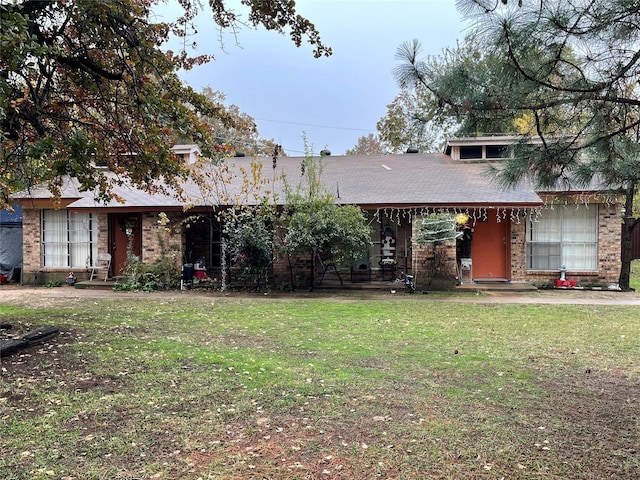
(409, 180)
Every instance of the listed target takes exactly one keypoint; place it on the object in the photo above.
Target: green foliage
(367, 145)
(163, 274)
(316, 225)
(635, 275)
(413, 120)
(321, 226)
(94, 81)
(250, 233)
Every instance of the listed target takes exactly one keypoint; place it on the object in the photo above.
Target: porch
(382, 286)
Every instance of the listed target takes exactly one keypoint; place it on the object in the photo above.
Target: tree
(411, 122)
(87, 81)
(367, 145)
(250, 232)
(241, 134)
(570, 67)
(314, 224)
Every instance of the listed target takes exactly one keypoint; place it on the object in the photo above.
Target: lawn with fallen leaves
(215, 387)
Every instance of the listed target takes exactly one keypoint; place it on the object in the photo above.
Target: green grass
(635, 275)
(409, 388)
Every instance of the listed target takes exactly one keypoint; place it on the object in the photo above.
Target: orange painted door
(489, 248)
(121, 225)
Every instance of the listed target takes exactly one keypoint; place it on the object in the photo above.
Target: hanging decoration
(400, 215)
(437, 228)
(461, 218)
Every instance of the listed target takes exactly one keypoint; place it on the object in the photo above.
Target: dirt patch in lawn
(594, 419)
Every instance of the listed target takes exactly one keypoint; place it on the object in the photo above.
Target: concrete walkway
(41, 295)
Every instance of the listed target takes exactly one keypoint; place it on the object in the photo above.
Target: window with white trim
(68, 239)
(566, 235)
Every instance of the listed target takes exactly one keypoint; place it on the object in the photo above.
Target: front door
(122, 228)
(489, 249)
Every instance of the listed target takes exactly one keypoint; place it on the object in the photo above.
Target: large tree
(86, 81)
(367, 145)
(413, 121)
(240, 136)
(572, 69)
(314, 224)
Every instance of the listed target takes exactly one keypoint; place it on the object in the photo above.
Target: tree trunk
(314, 253)
(626, 244)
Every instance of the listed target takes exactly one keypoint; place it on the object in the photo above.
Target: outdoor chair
(103, 262)
(326, 267)
(466, 265)
(188, 272)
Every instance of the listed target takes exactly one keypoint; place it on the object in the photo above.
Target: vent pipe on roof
(412, 150)
(325, 153)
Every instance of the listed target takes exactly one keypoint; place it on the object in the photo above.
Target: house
(519, 235)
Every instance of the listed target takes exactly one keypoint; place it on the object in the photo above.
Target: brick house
(519, 235)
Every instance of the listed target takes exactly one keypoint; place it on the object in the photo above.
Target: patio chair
(103, 262)
(188, 272)
(325, 266)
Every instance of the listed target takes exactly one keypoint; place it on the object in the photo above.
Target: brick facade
(162, 240)
(433, 267)
(32, 270)
(156, 242)
(609, 244)
(31, 246)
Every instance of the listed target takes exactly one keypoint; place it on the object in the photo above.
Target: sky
(329, 101)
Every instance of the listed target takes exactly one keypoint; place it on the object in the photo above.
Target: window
(68, 239)
(470, 152)
(564, 236)
(496, 151)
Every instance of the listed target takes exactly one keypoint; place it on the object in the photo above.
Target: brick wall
(519, 251)
(158, 240)
(433, 266)
(30, 244)
(161, 240)
(609, 238)
(32, 249)
(610, 235)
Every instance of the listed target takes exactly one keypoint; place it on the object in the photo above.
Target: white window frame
(564, 236)
(68, 239)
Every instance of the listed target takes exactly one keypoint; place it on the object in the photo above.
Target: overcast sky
(332, 100)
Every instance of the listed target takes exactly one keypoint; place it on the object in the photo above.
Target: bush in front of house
(250, 232)
(163, 274)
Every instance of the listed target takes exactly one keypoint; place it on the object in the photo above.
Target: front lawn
(409, 387)
(635, 275)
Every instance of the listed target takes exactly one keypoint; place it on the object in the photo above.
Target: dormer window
(496, 151)
(482, 152)
(479, 148)
(189, 153)
(472, 152)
